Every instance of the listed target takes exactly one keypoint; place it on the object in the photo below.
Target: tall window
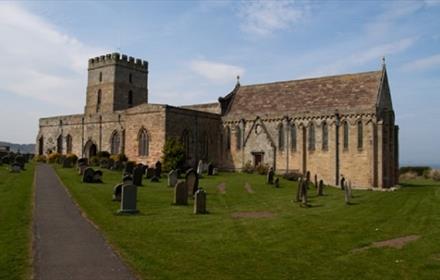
(325, 136)
(68, 144)
(281, 137)
(345, 125)
(186, 141)
(115, 143)
(60, 144)
(311, 137)
(293, 137)
(98, 100)
(228, 138)
(100, 76)
(130, 98)
(143, 143)
(130, 78)
(238, 136)
(360, 129)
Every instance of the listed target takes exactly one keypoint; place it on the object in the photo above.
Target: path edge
(112, 246)
(32, 242)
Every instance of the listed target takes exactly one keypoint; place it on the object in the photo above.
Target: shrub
(94, 161)
(410, 175)
(40, 158)
(248, 167)
(262, 169)
(419, 170)
(103, 154)
(53, 157)
(72, 158)
(173, 155)
(292, 176)
(435, 174)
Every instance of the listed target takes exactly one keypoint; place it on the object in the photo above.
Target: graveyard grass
(170, 242)
(16, 190)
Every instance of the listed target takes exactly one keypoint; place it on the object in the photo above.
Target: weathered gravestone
(210, 169)
(277, 182)
(342, 183)
(316, 181)
(200, 168)
(129, 199)
(19, 159)
(82, 165)
(158, 169)
(172, 178)
(15, 168)
(350, 193)
(298, 190)
(97, 176)
(346, 194)
(137, 175)
(129, 166)
(214, 171)
(117, 191)
(181, 193)
(192, 181)
(321, 188)
(304, 194)
(150, 173)
(270, 175)
(200, 202)
(88, 175)
(104, 163)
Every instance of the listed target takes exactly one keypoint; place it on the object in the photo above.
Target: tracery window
(143, 141)
(115, 142)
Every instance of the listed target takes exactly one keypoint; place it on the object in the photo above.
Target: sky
(195, 50)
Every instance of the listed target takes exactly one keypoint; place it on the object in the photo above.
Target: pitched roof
(343, 92)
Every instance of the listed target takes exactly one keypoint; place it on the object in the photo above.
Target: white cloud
(215, 71)
(264, 17)
(423, 63)
(39, 61)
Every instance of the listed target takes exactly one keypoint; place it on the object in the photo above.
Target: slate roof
(349, 92)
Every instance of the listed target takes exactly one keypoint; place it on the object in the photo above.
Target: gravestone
(81, 169)
(277, 182)
(200, 202)
(214, 171)
(137, 175)
(210, 169)
(172, 178)
(298, 190)
(15, 168)
(111, 163)
(316, 181)
(150, 173)
(82, 161)
(67, 163)
(117, 165)
(342, 183)
(200, 168)
(117, 191)
(144, 168)
(181, 193)
(270, 174)
(346, 194)
(127, 180)
(308, 176)
(19, 159)
(321, 188)
(154, 179)
(88, 175)
(129, 199)
(129, 166)
(350, 193)
(192, 181)
(304, 194)
(158, 169)
(97, 176)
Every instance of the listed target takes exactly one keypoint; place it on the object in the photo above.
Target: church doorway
(90, 149)
(258, 158)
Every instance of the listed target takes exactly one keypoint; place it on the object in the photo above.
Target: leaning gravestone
(192, 181)
(181, 193)
(117, 191)
(200, 202)
(129, 166)
(129, 199)
(321, 188)
(158, 169)
(137, 175)
(210, 169)
(172, 178)
(200, 168)
(270, 174)
(88, 175)
(150, 173)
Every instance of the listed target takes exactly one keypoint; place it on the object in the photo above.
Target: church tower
(116, 82)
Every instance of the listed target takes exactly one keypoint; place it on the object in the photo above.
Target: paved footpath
(66, 245)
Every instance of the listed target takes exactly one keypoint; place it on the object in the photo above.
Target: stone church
(334, 127)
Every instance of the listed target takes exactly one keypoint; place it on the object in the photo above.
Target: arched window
(360, 135)
(293, 137)
(325, 136)
(281, 137)
(60, 144)
(311, 137)
(115, 142)
(41, 146)
(345, 126)
(130, 78)
(68, 144)
(98, 100)
(143, 143)
(186, 141)
(228, 138)
(100, 76)
(238, 136)
(130, 98)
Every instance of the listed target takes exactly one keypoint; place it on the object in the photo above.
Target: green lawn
(15, 222)
(169, 242)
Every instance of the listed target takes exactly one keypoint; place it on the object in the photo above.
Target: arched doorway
(90, 149)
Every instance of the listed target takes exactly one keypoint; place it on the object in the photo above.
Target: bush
(262, 169)
(435, 174)
(40, 158)
(248, 168)
(120, 157)
(94, 161)
(410, 175)
(103, 154)
(173, 155)
(72, 158)
(419, 170)
(53, 157)
(292, 176)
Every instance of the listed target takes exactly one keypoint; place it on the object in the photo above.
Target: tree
(173, 154)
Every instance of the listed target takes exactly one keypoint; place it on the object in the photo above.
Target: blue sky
(196, 49)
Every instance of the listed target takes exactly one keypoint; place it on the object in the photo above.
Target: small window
(345, 126)
(100, 76)
(98, 100)
(130, 98)
(281, 137)
(325, 136)
(360, 131)
(130, 78)
(293, 137)
(311, 137)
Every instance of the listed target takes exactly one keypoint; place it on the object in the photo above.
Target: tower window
(130, 98)
(130, 78)
(100, 76)
(325, 136)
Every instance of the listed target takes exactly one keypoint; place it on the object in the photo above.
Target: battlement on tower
(116, 58)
